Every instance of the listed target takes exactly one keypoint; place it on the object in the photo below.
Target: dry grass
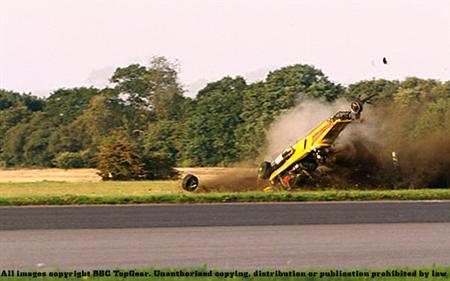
(82, 187)
(33, 175)
(28, 182)
(90, 175)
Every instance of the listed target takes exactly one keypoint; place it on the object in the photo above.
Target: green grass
(19, 189)
(411, 273)
(61, 193)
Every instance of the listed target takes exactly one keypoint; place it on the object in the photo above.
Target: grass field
(88, 175)
(33, 175)
(431, 273)
(14, 194)
(56, 182)
(107, 188)
(82, 187)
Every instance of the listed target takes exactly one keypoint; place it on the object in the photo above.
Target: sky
(46, 45)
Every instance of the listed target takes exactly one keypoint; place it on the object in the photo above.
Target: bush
(123, 161)
(120, 161)
(67, 160)
(160, 166)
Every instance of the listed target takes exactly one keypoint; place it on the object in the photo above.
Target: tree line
(142, 125)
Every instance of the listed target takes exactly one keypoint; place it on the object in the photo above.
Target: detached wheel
(189, 183)
(356, 106)
(264, 171)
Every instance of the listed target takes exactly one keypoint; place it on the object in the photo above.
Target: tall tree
(265, 101)
(211, 125)
(286, 85)
(64, 105)
(154, 90)
(384, 90)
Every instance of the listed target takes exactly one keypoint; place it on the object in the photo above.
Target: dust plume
(296, 123)
(236, 179)
(365, 152)
(362, 154)
(291, 126)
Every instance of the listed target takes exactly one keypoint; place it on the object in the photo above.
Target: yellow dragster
(297, 163)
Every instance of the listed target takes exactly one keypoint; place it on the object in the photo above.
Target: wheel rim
(191, 183)
(356, 107)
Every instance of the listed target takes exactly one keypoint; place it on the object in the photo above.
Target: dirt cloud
(377, 152)
(363, 153)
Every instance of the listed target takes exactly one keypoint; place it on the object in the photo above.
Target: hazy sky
(46, 45)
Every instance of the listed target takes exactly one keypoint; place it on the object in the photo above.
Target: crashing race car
(297, 163)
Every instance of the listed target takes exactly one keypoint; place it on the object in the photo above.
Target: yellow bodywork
(321, 137)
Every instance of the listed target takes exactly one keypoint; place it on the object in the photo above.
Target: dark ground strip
(145, 216)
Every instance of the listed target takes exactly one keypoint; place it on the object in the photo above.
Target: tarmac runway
(234, 236)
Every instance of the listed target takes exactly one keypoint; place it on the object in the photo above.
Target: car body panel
(321, 137)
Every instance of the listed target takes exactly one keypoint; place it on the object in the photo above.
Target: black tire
(189, 183)
(356, 106)
(265, 169)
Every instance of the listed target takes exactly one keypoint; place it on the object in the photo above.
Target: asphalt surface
(242, 247)
(145, 216)
(228, 236)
